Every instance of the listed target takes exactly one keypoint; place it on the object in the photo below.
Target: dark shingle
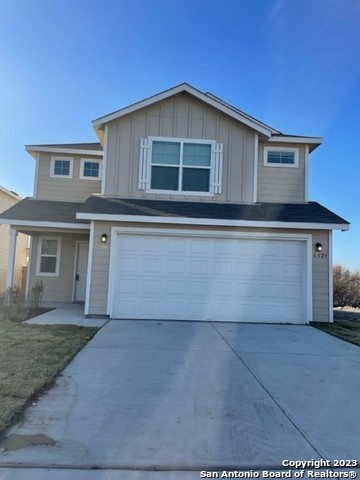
(75, 146)
(311, 212)
(30, 209)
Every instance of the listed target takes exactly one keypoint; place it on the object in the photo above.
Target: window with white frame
(281, 157)
(61, 167)
(173, 165)
(90, 169)
(48, 259)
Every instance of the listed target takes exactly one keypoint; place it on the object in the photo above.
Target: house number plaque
(320, 255)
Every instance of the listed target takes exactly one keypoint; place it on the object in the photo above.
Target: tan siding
(100, 270)
(6, 201)
(72, 189)
(181, 116)
(321, 279)
(57, 289)
(281, 184)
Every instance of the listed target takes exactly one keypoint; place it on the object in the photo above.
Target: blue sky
(292, 64)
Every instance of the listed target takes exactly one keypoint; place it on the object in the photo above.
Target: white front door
(81, 271)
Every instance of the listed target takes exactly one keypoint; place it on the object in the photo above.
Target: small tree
(346, 287)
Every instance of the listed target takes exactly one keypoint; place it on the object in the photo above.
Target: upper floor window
(281, 157)
(61, 167)
(48, 259)
(90, 169)
(173, 165)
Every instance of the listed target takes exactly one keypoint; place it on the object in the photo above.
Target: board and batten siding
(281, 184)
(57, 289)
(181, 116)
(63, 189)
(101, 258)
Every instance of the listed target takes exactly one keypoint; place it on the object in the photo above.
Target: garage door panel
(208, 278)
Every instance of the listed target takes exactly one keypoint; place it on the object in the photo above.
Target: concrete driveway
(183, 397)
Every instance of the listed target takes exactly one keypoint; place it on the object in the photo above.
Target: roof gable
(207, 98)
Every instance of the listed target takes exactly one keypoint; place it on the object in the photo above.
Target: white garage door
(207, 278)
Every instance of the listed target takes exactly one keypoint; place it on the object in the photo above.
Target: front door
(81, 271)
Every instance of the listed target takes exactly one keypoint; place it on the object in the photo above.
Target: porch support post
(11, 262)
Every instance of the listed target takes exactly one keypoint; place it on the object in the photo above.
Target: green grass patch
(345, 329)
(30, 357)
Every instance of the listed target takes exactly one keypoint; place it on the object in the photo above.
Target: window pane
(164, 178)
(196, 180)
(166, 153)
(62, 167)
(49, 247)
(91, 169)
(197, 154)
(48, 265)
(287, 158)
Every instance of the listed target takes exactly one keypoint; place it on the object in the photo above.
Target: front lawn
(345, 329)
(30, 357)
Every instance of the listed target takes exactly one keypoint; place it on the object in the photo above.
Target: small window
(90, 169)
(281, 157)
(48, 261)
(61, 167)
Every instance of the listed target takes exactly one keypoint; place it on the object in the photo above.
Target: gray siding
(100, 266)
(181, 116)
(57, 289)
(281, 184)
(72, 189)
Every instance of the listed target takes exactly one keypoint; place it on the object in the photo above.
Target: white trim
(36, 179)
(331, 279)
(27, 287)
(210, 222)
(293, 139)
(82, 164)
(73, 151)
(89, 269)
(146, 165)
(30, 223)
(281, 149)
(52, 167)
(306, 238)
(306, 167)
(104, 163)
(11, 258)
(184, 87)
(256, 164)
(38, 273)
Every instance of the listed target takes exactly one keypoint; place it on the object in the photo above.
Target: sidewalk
(67, 314)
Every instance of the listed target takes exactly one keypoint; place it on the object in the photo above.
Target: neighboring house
(198, 212)
(7, 199)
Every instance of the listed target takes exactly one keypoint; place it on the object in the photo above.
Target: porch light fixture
(103, 238)
(318, 247)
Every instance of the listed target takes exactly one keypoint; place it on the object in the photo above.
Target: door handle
(77, 278)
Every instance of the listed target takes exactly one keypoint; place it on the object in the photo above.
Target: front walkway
(67, 314)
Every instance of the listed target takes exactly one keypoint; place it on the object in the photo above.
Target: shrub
(15, 307)
(346, 287)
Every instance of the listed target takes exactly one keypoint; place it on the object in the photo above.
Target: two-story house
(187, 209)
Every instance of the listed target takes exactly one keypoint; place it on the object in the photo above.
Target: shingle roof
(311, 212)
(30, 209)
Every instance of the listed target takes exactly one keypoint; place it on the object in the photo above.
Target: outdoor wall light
(103, 238)
(318, 247)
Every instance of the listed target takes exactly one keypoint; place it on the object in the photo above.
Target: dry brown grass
(346, 325)
(30, 357)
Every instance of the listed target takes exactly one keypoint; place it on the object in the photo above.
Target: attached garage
(208, 275)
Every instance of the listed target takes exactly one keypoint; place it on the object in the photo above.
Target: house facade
(7, 199)
(186, 209)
